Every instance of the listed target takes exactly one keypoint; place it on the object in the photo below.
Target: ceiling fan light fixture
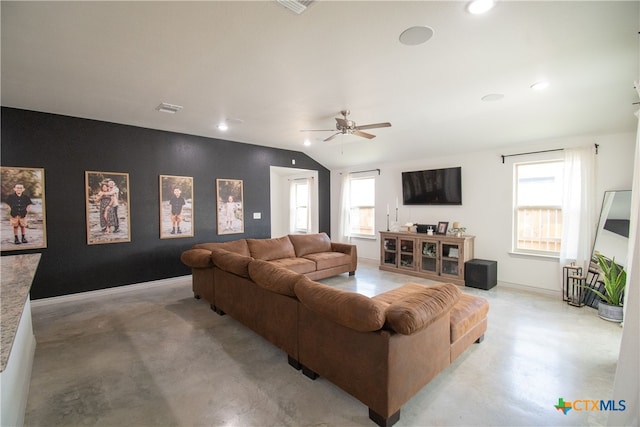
(414, 36)
(478, 7)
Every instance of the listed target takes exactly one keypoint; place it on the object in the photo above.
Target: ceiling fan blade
(363, 134)
(317, 130)
(374, 126)
(332, 136)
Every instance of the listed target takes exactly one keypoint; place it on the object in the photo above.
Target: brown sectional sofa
(313, 255)
(381, 350)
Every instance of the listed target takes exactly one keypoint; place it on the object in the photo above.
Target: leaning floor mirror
(612, 235)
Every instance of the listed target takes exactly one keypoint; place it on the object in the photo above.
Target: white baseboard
(112, 291)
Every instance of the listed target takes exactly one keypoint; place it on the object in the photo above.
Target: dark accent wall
(66, 147)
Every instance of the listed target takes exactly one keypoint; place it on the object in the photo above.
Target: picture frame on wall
(23, 209)
(230, 206)
(108, 207)
(442, 227)
(176, 206)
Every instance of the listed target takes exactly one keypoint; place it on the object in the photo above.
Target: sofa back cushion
(417, 310)
(268, 249)
(305, 244)
(345, 308)
(231, 262)
(236, 246)
(273, 278)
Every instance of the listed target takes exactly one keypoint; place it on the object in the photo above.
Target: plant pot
(612, 313)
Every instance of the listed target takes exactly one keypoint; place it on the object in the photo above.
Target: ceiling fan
(346, 126)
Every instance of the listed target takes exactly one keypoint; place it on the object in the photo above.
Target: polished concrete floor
(158, 357)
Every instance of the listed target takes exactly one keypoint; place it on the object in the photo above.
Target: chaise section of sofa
(381, 350)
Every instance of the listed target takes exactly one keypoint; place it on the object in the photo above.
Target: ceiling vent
(296, 6)
(168, 108)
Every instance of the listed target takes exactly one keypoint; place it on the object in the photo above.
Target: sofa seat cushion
(325, 260)
(197, 258)
(418, 309)
(345, 308)
(273, 278)
(236, 246)
(466, 313)
(305, 244)
(231, 262)
(270, 249)
(298, 265)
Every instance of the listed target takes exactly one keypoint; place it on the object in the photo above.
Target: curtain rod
(300, 179)
(370, 170)
(536, 152)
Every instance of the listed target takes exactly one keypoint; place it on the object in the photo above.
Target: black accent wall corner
(66, 147)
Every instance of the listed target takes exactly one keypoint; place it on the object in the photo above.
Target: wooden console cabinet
(437, 257)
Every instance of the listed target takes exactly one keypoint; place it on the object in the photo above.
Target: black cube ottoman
(481, 273)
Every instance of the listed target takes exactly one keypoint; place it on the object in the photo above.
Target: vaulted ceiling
(268, 72)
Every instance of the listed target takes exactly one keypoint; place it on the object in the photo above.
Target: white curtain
(292, 206)
(578, 206)
(344, 226)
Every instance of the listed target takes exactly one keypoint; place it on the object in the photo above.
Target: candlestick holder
(396, 214)
(387, 222)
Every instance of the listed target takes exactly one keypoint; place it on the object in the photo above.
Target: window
(301, 206)
(538, 207)
(362, 206)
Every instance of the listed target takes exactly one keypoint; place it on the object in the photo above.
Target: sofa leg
(382, 421)
(196, 296)
(293, 362)
(352, 273)
(309, 373)
(217, 310)
(480, 339)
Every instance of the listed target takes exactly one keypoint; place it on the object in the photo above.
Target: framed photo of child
(176, 206)
(230, 206)
(23, 219)
(108, 207)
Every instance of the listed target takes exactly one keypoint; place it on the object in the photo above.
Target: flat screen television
(432, 187)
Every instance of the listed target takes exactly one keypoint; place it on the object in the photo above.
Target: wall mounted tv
(432, 187)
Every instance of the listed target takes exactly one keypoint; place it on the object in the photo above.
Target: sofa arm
(417, 310)
(349, 249)
(197, 258)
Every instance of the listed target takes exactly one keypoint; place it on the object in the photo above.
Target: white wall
(486, 211)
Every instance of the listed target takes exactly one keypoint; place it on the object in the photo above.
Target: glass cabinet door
(407, 258)
(450, 263)
(429, 256)
(389, 252)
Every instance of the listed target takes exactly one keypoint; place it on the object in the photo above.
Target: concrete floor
(157, 356)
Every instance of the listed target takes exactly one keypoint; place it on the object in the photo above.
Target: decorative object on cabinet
(442, 227)
(438, 257)
(457, 229)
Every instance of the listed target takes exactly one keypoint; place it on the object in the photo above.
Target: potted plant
(614, 278)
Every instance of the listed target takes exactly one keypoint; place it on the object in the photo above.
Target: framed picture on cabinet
(176, 206)
(230, 206)
(23, 209)
(108, 207)
(442, 227)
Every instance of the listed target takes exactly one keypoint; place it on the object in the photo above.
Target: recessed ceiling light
(493, 97)
(307, 142)
(222, 126)
(478, 7)
(541, 85)
(168, 108)
(416, 35)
